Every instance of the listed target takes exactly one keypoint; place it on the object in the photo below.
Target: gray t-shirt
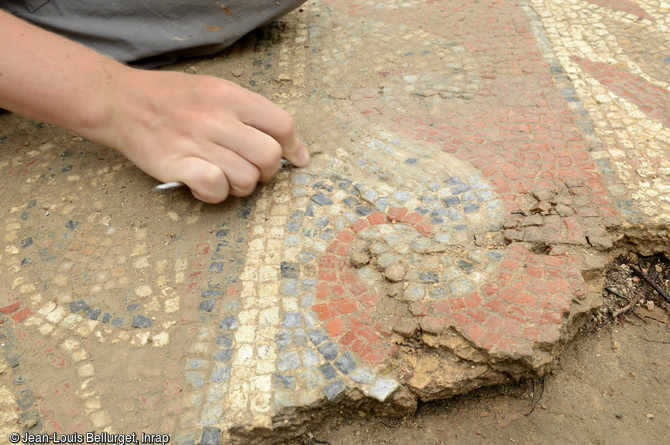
(153, 31)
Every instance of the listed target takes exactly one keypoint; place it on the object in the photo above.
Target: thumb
(296, 153)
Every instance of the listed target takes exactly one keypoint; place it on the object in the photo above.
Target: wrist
(101, 103)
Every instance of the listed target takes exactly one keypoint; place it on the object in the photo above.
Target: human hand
(215, 136)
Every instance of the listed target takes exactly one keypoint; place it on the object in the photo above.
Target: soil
(610, 385)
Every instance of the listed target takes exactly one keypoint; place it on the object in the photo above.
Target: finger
(297, 154)
(270, 119)
(206, 180)
(241, 175)
(253, 145)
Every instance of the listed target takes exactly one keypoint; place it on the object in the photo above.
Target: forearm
(215, 136)
(52, 79)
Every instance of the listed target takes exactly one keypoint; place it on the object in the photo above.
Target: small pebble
(395, 272)
(619, 416)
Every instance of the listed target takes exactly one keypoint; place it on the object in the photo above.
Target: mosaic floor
(473, 165)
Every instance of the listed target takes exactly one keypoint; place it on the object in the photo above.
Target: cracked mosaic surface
(471, 161)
